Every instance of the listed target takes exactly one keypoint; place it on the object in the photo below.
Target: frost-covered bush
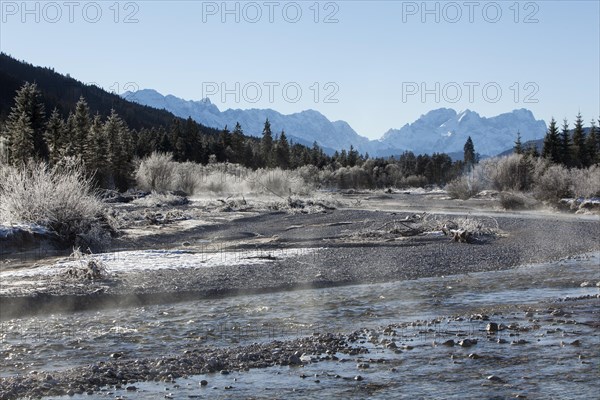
(509, 173)
(586, 182)
(553, 184)
(464, 187)
(59, 198)
(156, 172)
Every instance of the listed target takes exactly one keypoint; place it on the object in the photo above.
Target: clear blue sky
(375, 60)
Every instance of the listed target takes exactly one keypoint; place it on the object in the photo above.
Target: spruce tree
(580, 156)
(565, 145)
(518, 147)
(352, 156)
(28, 101)
(266, 144)
(21, 144)
(97, 156)
(81, 125)
(119, 150)
(591, 144)
(551, 148)
(283, 152)
(469, 153)
(55, 136)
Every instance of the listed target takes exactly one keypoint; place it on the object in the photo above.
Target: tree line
(576, 148)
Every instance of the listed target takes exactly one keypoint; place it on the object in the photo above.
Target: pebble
(203, 382)
(492, 327)
(495, 378)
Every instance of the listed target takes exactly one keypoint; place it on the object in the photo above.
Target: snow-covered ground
(209, 256)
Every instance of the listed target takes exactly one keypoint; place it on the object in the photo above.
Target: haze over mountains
(440, 130)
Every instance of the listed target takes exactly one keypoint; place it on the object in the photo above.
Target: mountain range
(441, 130)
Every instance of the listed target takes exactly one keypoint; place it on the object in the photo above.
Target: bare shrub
(413, 181)
(516, 201)
(463, 187)
(156, 172)
(507, 173)
(59, 198)
(186, 177)
(553, 184)
(586, 182)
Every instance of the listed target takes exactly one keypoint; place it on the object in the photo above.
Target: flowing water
(544, 365)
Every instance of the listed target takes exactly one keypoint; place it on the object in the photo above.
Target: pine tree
(591, 144)
(55, 137)
(551, 148)
(469, 153)
(352, 156)
(28, 101)
(580, 156)
(81, 125)
(565, 145)
(21, 145)
(237, 143)
(266, 145)
(119, 150)
(68, 147)
(283, 152)
(518, 147)
(97, 157)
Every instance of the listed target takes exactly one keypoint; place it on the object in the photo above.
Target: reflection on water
(62, 341)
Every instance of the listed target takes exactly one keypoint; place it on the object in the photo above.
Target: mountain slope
(304, 127)
(63, 92)
(442, 130)
(447, 131)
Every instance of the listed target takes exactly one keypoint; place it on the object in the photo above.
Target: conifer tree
(21, 144)
(97, 156)
(352, 156)
(518, 147)
(266, 144)
(119, 150)
(81, 126)
(55, 136)
(551, 148)
(283, 152)
(580, 157)
(68, 147)
(469, 153)
(591, 144)
(565, 144)
(28, 101)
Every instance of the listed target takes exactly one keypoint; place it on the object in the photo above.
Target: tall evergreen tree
(283, 152)
(119, 150)
(266, 144)
(97, 159)
(592, 144)
(551, 148)
(55, 137)
(81, 125)
(580, 156)
(21, 144)
(28, 101)
(469, 153)
(565, 144)
(352, 156)
(237, 144)
(518, 147)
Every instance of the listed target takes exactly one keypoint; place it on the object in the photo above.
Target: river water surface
(554, 355)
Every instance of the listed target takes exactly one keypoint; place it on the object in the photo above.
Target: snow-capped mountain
(304, 127)
(442, 130)
(445, 130)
